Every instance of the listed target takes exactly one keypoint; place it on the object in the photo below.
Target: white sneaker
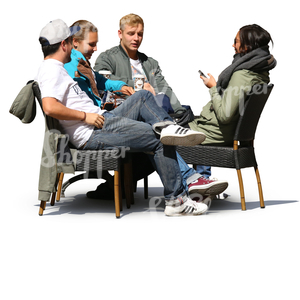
(201, 199)
(176, 135)
(207, 201)
(187, 208)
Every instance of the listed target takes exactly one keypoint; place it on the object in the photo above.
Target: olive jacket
(219, 117)
(57, 157)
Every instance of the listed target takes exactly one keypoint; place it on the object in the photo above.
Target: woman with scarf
(251, 65)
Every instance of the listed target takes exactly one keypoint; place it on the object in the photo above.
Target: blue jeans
(204, 170)
(188, 174)
(163, 101)
(130, 125)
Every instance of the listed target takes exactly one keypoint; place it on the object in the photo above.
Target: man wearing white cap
(54, 33)
(138, 123)
(57, 31)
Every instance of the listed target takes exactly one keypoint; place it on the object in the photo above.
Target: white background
(78, 250)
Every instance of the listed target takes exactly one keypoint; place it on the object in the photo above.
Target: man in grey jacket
(125, 61)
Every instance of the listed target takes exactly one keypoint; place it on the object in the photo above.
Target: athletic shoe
(205, 186)
(207, 201)
(200, 199)
(188, 208)
(176, 135)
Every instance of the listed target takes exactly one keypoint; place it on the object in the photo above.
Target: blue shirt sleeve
(105, 84)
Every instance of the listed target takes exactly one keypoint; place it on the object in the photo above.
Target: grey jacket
(56, 156)
(117, 61)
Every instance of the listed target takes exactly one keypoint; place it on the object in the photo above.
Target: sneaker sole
(185, 140)
(183, 214)
(214, 189)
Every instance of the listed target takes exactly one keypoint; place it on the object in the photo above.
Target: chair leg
(60, 181)
(130, 182)
(261, 197)
(117, 189)
(146, 187)
(52, 202)
(243, 203)
(54, 194)
(128, 185)
(42, 207)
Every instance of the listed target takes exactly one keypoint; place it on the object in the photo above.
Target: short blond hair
(132, 20)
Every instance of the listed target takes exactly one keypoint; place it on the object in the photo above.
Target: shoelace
(192, 203)
(204, 179)
(207, 180)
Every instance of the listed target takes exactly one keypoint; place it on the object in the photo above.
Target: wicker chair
(93, 162)
(242, 154)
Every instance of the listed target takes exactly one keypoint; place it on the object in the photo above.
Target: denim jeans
(188, 174)
(130, 125)
(163, 101)
(204, 170)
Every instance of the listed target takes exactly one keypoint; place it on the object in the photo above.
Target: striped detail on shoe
(175, 135)
(180, 200)
(181, 130)
(188, 210)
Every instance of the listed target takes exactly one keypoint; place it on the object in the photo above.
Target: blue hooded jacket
(88, 80)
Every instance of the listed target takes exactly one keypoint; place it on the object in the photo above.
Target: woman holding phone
(251, 65)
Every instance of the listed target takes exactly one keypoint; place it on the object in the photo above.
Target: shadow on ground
(80, 204)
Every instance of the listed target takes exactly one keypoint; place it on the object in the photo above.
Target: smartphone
(202, 74)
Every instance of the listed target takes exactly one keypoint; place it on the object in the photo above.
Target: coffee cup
(139, 81)
(105, 73)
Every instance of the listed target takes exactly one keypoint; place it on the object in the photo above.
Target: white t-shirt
(136, 68)
(54, 81)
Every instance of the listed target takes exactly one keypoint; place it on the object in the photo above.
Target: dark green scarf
(258, 60)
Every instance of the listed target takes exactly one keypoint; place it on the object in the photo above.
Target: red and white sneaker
(207, 187)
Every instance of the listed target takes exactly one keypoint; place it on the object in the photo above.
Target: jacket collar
(77, 55)
(139, 54)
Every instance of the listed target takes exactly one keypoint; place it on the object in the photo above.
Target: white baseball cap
(57, 31)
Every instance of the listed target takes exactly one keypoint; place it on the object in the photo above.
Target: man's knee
(144, 94)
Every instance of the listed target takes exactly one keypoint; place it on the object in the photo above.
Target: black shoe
(103, 192)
